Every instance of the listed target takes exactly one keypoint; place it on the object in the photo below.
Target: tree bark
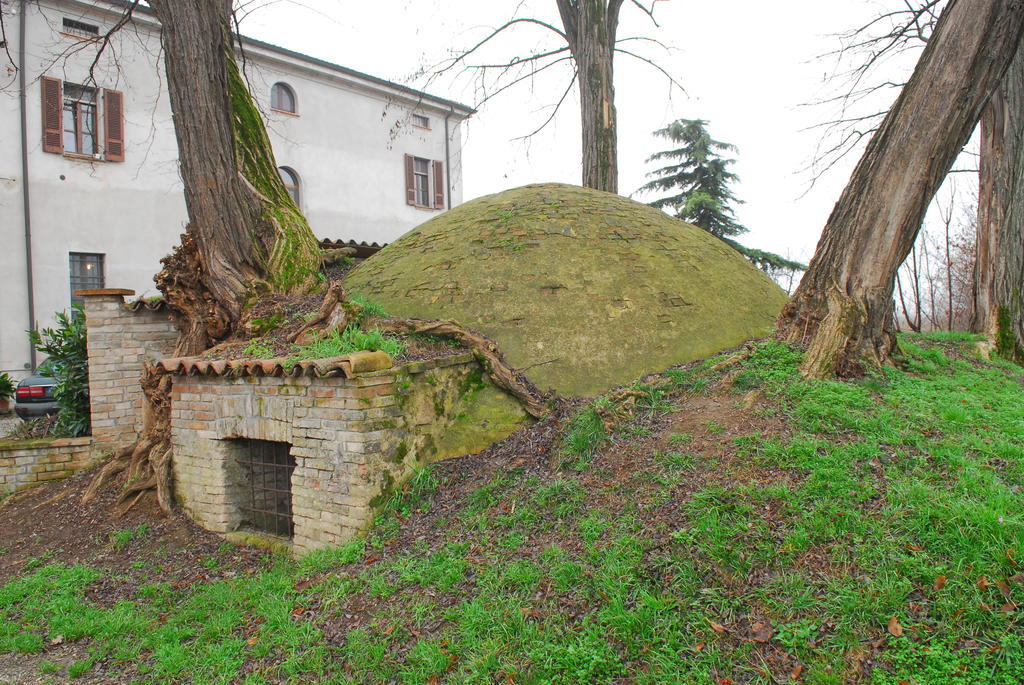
(999, 248)
(246, 235)
(843, 308)
(590, 27)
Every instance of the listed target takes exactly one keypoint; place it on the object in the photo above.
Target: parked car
(34, 395)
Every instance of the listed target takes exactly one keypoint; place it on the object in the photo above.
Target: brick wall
(26, 463)
(355, 441)
(121, 338)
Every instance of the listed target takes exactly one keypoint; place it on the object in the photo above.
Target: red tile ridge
(346, 366)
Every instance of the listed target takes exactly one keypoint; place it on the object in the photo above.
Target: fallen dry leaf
(699, 646)
(940, 582)
(1004, 588)
(895, 629)
(796, 672)
(717, 627)
(762, 631)
(982, 583)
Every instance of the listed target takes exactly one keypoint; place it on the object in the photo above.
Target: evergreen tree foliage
(698, 179)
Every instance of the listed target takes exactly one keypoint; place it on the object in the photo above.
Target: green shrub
(6, 387)
(68, 360)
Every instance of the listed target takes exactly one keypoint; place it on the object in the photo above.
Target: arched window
(291, 182)
(282, 98)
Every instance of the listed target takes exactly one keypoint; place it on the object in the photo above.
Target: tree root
(332, 313)
(147, 463)
(536, 403)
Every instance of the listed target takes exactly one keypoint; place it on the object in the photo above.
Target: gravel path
(7, 423)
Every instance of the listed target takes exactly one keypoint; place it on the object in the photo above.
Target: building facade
(90, 194)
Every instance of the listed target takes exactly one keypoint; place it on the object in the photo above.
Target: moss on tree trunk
(245, 237)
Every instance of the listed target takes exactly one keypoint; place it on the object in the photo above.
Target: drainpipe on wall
(447, 157)
(25, 198)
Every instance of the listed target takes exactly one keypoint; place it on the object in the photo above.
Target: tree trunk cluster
(843, 308)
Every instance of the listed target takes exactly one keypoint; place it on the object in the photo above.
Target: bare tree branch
(6, 44)
(460, 57)
(554, 111)
(515, 61)
(653, 64)
(125, 17)
(885, 37)
(648, 12)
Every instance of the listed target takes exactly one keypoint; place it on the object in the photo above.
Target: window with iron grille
(266, 493)
(80, 28)
(421, 121)
(87, 273)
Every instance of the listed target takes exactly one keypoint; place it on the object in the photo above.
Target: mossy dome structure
(582, 289)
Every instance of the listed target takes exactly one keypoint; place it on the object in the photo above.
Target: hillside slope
(723, 523)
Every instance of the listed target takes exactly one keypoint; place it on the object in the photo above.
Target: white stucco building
(90, 194)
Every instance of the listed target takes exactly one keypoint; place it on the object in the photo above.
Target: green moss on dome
(583, 289)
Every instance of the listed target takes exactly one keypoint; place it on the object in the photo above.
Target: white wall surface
(347, 143)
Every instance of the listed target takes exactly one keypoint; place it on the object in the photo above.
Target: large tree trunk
(843, 308)
(999, 249)
(590, 27)
(245, 235)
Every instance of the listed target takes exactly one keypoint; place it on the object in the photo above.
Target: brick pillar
(121, 338)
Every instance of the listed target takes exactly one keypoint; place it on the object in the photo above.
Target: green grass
(368, 309)
(352, 339)
(895, 496)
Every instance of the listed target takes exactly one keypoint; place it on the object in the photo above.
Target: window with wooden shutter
(113, 125)
(410, 181)
(53, 102)
(438, 185)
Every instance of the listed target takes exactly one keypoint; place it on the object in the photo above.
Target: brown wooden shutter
(410, 182)
(53, 103)
(438, 185)
(113, 125)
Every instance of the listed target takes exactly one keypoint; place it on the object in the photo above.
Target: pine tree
(699, 179)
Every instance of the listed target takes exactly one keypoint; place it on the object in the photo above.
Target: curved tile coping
(346, 366)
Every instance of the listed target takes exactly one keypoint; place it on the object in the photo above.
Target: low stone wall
(355, 440)
(30, 462)
(122, 338)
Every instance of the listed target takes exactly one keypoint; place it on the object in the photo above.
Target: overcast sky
(747, 67)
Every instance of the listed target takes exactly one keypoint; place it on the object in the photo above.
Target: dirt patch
(49, 524)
